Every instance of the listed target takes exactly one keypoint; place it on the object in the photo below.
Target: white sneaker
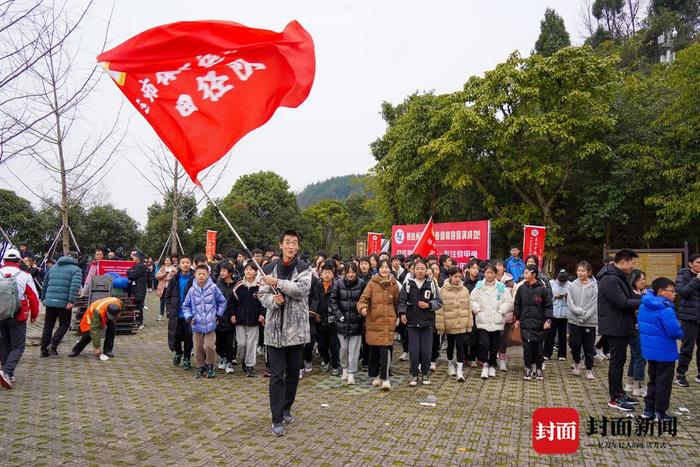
(589, 374)
(460, 373)
(229, 369)
(308, 367)
(426, 380)
(414, 381)
(404, 357)
(451, 371)
(344, 377)
(492, 372)
(159, 318)
(222, 364)
(502, 366)
(386, 385)
(544, 364)
(599, 355)
(301, 374)
(351, 378)
(577, 369)
(376, 382)
(433, 366)
(485, 372)
(562, 359)
(472, 363)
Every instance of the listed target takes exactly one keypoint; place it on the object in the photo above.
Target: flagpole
(238, 237)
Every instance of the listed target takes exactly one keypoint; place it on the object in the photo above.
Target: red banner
(120, 267)
(374, 243)
(533, 241)
(460, 240)
(211, 245)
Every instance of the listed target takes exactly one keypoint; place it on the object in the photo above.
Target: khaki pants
(204, 344)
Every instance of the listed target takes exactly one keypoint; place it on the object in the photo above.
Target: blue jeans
(637, 362)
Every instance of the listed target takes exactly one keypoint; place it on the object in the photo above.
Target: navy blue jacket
(246, 307)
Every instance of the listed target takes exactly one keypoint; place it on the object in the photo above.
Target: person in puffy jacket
(378, 306)
(658, 331)
(345, 294)
(226, 327)
(58, 293)
(455, 319)
(204, 305)
(248, 314)
(179, 331)
(688, 288)
(533, 312)
(418, 300)
(491, 302)
(138, 283)
(326, 337)
(582, 302)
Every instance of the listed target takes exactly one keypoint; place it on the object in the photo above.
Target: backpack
(10, 303)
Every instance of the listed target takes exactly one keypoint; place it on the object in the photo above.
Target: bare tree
(57, 88)
(167, 176)
(587, 20)
(23, 27)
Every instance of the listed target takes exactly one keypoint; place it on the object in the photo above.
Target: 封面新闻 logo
(555, 430)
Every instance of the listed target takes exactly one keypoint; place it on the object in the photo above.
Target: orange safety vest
(101, 306)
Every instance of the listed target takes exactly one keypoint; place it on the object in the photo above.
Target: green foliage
(338, 188)
(328, 226)
(159, 224)
(21, 222)
(106, 226)
(553, 35)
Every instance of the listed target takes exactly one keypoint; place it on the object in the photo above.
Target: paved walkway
(137, 409)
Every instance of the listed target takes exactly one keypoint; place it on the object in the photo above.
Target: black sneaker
(53, 351)
(681, 381)
(73, 353)
(177, 359)
(647, 414)
(201, 372)
(335, 372)
(621, 404)
(110, 354)
(662, 417)
(629, 399)
(44, 353)
(288, 417)
(250, 372)
(211, 373)
(528, 374)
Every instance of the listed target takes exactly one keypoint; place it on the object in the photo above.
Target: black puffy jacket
(138, 281)
(320, 303)
(409, 297)
(246, 305)
(224, 323)
(688, 288)
(533, 307)
(470, 283)
(343, 304)
(617, 303)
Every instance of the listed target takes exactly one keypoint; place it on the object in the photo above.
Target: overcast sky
(366, 52)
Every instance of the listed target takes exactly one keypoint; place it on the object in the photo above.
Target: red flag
(426, 245)
(203, 85)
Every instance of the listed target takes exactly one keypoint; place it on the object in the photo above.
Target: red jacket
(26, 290)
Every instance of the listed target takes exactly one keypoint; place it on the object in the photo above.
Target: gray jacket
(288, 324)
(583, 303)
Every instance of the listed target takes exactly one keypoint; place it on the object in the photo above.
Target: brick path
(151, 413)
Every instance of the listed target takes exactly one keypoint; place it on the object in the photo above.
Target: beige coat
(455, 316)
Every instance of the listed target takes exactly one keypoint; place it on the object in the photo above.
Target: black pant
(558, 328)
(225, 344)
(308, 353)
(329, 347)
(63, 317)
(533, 353)
(162, 303)
(86, 338)
(582, 336)
(618, 356)
(659, 387)
(183, 334)
(379, 361)
(420, 343)
(471, 345)
(435, 351)
(139, 308)
(402, 329)
(284, 378)
(603, 344)
(488, 346)
(456, 342)
(691, 338)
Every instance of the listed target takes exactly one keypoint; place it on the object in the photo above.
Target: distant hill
(334, 188)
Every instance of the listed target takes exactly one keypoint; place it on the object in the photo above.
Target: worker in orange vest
(101, 314)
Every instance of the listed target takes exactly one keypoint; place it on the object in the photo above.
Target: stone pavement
(138, 409)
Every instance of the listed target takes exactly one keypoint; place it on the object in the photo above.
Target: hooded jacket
(246, 304)
(409, 297)
(455, 316)
(533, 306)
(658, 329)
(343, 304)
(380, 297)
(582, 302)
(616, 303)
(688, 289)
(225, 324)
(491, 304)
(62, 283)
(203, 306)
(138, 281)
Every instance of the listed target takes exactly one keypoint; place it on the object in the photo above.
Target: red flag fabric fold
(426, 245)
(203, 85)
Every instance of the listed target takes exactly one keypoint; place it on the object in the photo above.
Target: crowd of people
(276, 307)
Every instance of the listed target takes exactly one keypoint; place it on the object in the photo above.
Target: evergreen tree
(553, 35)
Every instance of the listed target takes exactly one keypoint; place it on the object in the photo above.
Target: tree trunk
(64, 185)
(173, 226)
(551, 252)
